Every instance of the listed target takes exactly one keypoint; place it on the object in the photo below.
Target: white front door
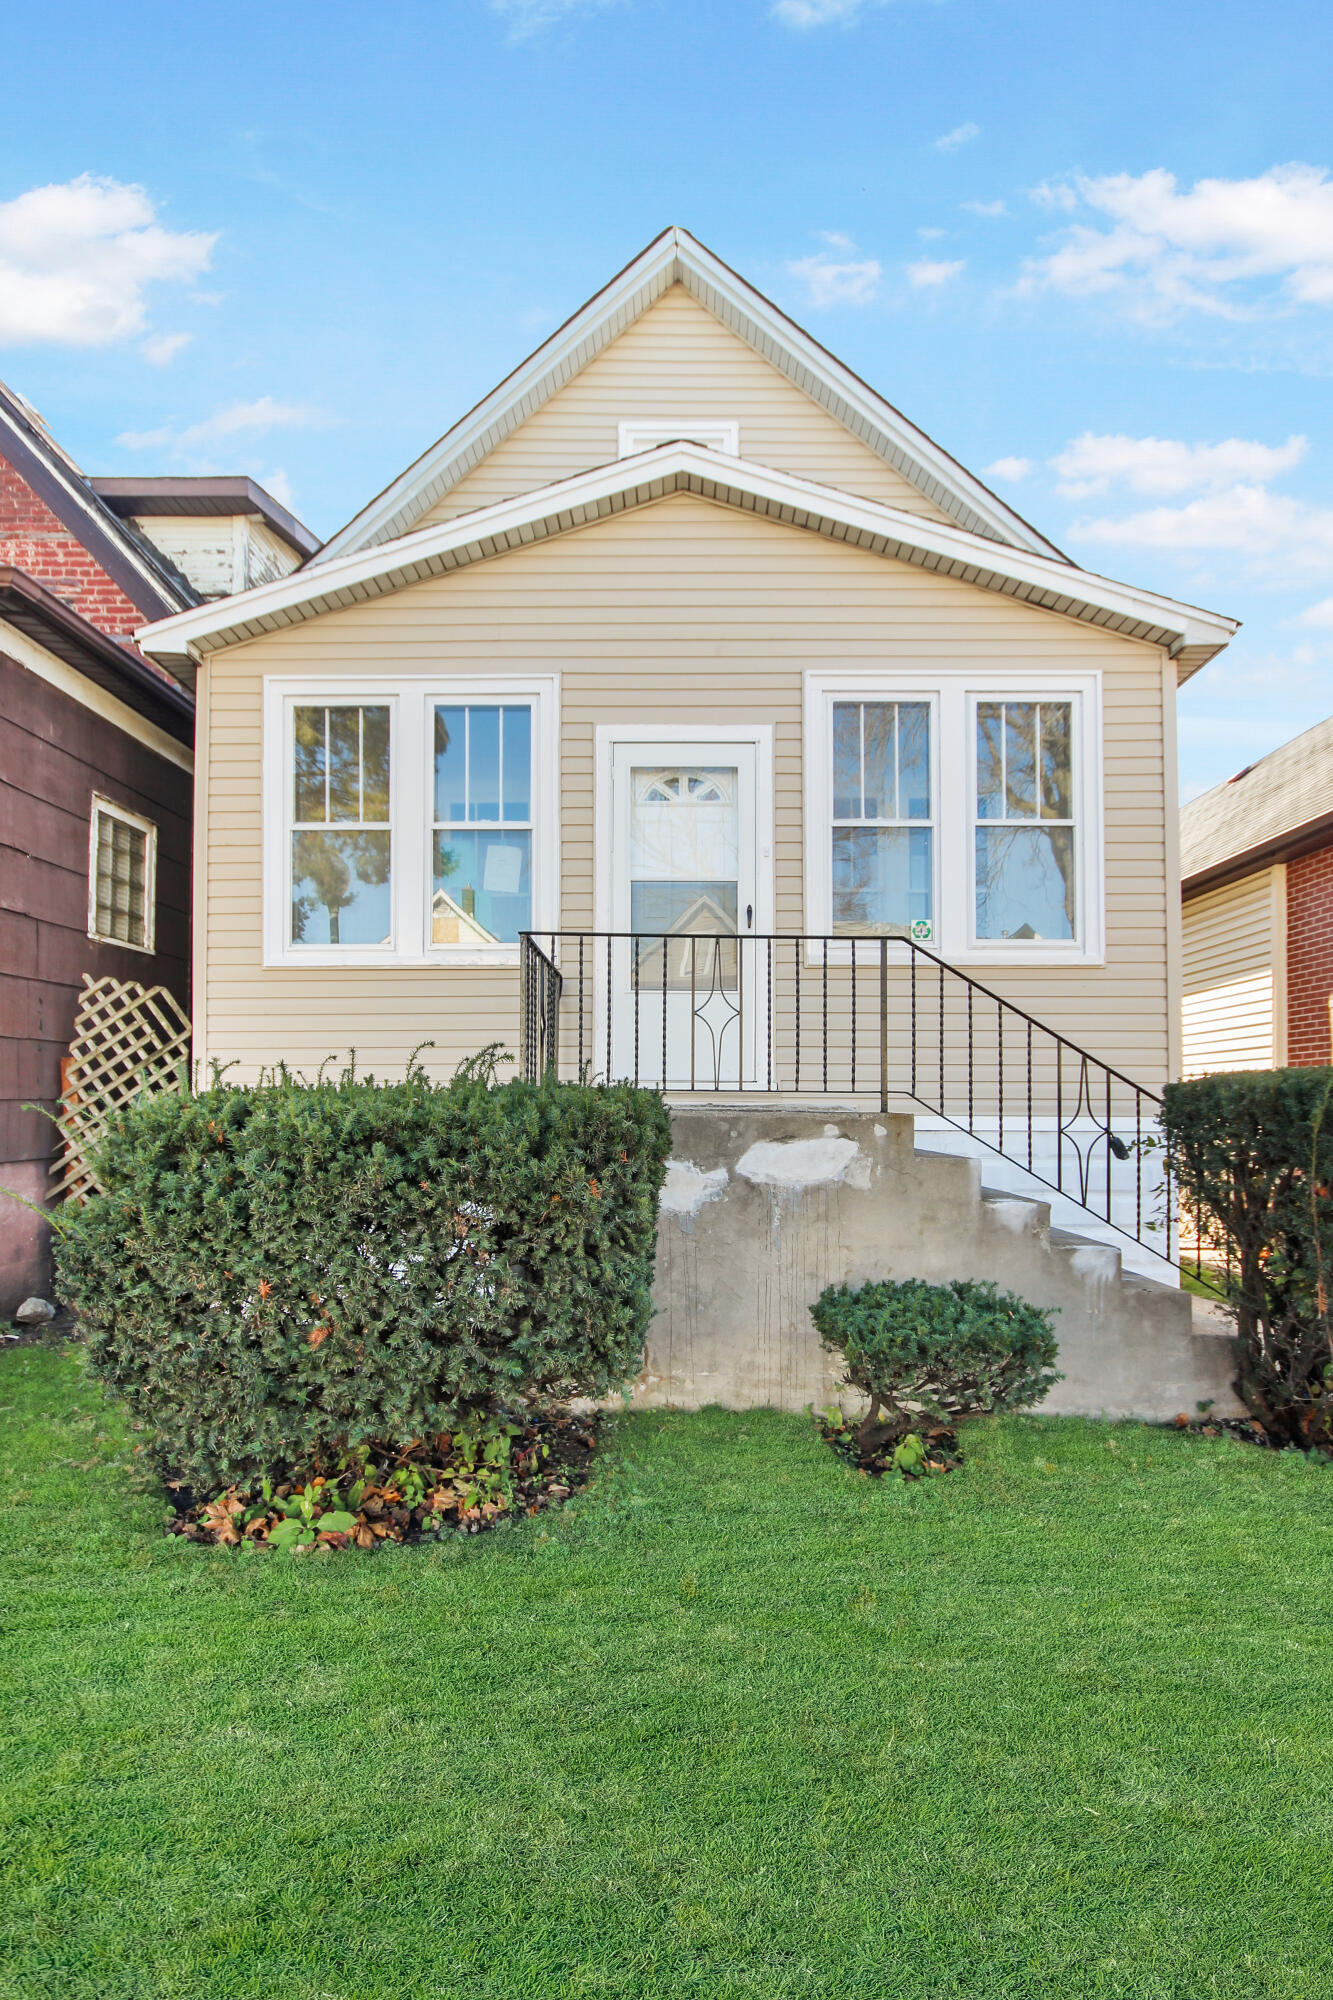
(683, 871)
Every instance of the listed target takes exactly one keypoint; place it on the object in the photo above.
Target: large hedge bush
(1251, 1157)
(937, 1351)
(278, 1273)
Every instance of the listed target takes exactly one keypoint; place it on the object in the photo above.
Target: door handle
(749, 916)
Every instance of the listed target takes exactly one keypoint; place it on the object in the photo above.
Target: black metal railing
(881, 1019)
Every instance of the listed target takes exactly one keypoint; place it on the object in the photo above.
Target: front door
(684, 881)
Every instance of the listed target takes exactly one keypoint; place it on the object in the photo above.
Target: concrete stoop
(763, 1208)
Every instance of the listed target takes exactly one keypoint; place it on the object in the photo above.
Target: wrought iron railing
(877, 1019)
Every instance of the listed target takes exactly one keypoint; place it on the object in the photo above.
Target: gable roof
(1192, 636)
(1267, 811)
(676, 257)
(149, 582)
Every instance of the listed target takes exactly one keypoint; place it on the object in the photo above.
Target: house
(96, 760)
(1256, 857)
(685, 629)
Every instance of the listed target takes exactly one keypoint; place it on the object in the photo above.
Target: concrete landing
(764, 1208)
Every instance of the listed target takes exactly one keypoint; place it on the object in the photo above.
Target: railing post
(524, 1022)
(883, 1025)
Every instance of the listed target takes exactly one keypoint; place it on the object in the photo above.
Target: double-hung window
(1025, 850)
(481, 846)
(960, 807)
(407, 820)
(883, 866)
(341, 838)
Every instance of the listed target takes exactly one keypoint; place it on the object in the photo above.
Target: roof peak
(677, 256)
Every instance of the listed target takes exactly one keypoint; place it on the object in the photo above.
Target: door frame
(692, 735)
(693, 738)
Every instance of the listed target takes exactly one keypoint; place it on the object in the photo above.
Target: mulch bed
(943, 1452)
(1246, 1430)
(409, 1496)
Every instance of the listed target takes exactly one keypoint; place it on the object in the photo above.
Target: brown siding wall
(54, 754)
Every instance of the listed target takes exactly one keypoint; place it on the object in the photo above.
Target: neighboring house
(682, 631)
(96, 760)
(1256, 859)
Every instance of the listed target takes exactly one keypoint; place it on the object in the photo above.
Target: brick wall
(31, 538)
(1309, 956)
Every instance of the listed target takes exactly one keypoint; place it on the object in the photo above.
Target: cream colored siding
(684, 610)
(676, 363)
(1233, 945)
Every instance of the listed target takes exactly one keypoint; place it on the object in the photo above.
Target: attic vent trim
(715, 434)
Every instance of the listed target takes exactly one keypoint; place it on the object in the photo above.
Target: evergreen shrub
(279, 1274)
(1251, 1159)
(942, 1352)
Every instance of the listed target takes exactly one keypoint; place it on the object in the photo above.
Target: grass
(737, 1723)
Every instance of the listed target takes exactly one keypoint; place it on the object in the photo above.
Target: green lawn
(736, 1723)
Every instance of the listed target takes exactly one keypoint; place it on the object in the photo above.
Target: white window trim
(716, 434)
(409, 697)
(953, 693)
(101, 804)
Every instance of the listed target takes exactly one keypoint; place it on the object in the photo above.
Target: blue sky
(1090, 248)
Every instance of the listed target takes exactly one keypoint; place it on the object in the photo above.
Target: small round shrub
(942, 1352)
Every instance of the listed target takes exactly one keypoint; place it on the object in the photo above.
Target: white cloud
(1165, 466)
(819, 13)
(77, 259)
(1317, 617)
(160, 348)
(949, 142)
(1281, 539)
(931, 235)
(237, 420)
(932, 271)
(529, 17)
(830, 283)
(280, 486)
(984, 207)
(1009, 469)
(1221, 247)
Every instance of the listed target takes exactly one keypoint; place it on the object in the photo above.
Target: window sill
(1002, 957)
(122, 944)
(374, 955)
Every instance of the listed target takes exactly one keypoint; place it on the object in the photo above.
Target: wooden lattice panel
(128, 1039)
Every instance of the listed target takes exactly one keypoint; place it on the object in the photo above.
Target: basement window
(122, 876)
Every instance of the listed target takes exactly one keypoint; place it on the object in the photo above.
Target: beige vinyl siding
(677, 363)
(685, 610)
(1234, 951)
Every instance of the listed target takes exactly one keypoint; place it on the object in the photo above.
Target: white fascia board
(629, 482)
(673, 257)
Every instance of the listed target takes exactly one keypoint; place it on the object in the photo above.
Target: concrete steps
(765, 1207)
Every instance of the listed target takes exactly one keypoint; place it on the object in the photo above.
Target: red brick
(33, 539)
(1309, 956)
